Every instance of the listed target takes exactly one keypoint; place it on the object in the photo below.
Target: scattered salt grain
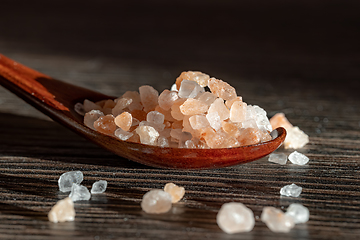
(99, 187)
(291, 190)
(279, 158)
(298, 158)
(235, 217)
(62, 211)
(79, 193)
(175, 191)
(298, 212)
(67, 179)
(156, 201)
(276, 220)
(295, 138)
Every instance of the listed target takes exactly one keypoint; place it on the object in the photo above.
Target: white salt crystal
(91, 117)
(123, 135)
(99, 187)
(261, 119)
(67, 179)
(298, 158)
(276, 220)
(250, 123)
(295, 138)
(291, 190)
(79, 193)
(214, 120)
(149, 97)
(174, 87)
(298, 212)
(189, 89)
(62, 211)
(148, 135)
(156, 201)
(155, 117)
(189, 144)
(235, 217)
(79, 108)
(279, 158)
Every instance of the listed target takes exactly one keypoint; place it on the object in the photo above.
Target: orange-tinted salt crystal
(136, 102)
(231, 129)
(279, 120)
(149, 97)
(199, 77)
(175, 109)
(175, 191)
(139, 115)
(212, 138)
(221, 89)
(238, 111)
(192, 106)
(265, 136)
(229, 103)
(124, 121)
(105, 124)
(249, 136)
(177, 124)
(166, 113)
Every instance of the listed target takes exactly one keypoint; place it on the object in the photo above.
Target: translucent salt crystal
(176, 192)
(249, 136)
(89, 105)
(135, 100)
(176, 133)
(199, 77)
(279, 120)
(175, 109)
(295, 138)
(105, 124)
(156, 201)
(79, 193)
(193, 106)
(231, 129)
(238, 111)
(190, 89)
(221, 89)
(162, 142)
(91, 117)
(149, 97)
(155, 117)
(174, 88)
(298, 212)
(189, 144)
(206, 97)
(229, 103)
(158, 127)
(184, 137)
(291, 190)
(123, 135)
(167, 99)
(276, 220)
(250, 123)
(166, 113)
(214, 139)
(298, 158)
(62, 211)
(279, 158)
(124, 121)
(235, 217)
(199, 122)
(67, 179)
(79, 108)
(261, 119)
(139, 115)
(214, 120)
(121, 104)
(99, 187)
(250, 112)
(109, 104)
(148, 135)
(219, 107)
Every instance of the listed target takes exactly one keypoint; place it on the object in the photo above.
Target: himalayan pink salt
(276, 220)
(149, 97)
(219, 107)
(124, 121)
(176, 192)
(221, 89)
(62, 211)
(231, 129)
(192, 106)
(123, 135)
(199, 77)
(108, 106)
(139, 115)
(214, 120)
(235, 217)
(206, 97)
(238, 111)
(148, 135)
(279, 120)
(155, 117)
(89, 105)
(121, 104)
(91, 117)
(175, 109)
(189, 89)
(156, 201)
(167, 99)
(135, 100)
(295, 138)
(249, 136)
(166, 113)
(105, 125)
(199, 122)
(212, 138)
(158, 127)
(229, 103)
(189, 144)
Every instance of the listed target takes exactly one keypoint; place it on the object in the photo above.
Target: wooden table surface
(299, 58)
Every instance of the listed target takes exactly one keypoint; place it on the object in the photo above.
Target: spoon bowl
(56, 99)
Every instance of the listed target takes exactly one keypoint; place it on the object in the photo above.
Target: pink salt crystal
(136, 102)
(101, 103)
(199, 122)
(184, 137)
(158, 127)
(156, 201)
(176, 192)
(105, 125)
(199, 77)
(230, 142)
(124, 121)
(229, 103)
(206, 97)
(238, 111)
(91, 117)
(221, 89)
(123, 135)
(155, 117)
(249, 136)
(295, 138)
(190, 89)
(149, 97)
(251, 123)
(166, 113)
(279, 120)
(167, 99)
(219, 107)
(192, 106)
(134, 138)
(89, 105)
(231, 129)
(109, 104)
(175, 109)
(148, 135)
(214, 120)
(62, 211)
(121, 103)
(177, 124)
(212, 138)
(176, 133)
(235, 217)
(276, 220)
(138, 114)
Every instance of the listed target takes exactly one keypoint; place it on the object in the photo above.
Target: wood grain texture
(305, 67)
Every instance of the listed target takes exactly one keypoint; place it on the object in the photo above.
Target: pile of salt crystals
(186, 116)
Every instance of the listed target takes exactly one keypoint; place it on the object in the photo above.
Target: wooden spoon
(56, 99)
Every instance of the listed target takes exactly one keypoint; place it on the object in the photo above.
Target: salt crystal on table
(295, 138)
(175, 191)
(276, 220)
(279, 120)
(190, 89)
(279, 158)
(291, 190)
(67, 179)
(79, 193)
(235, 217)
(156, 201)
(91, 117)
(62, 211)
(298, 212)
(298, 158)
(99, 187)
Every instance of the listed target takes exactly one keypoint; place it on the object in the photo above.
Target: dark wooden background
(298, 57)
